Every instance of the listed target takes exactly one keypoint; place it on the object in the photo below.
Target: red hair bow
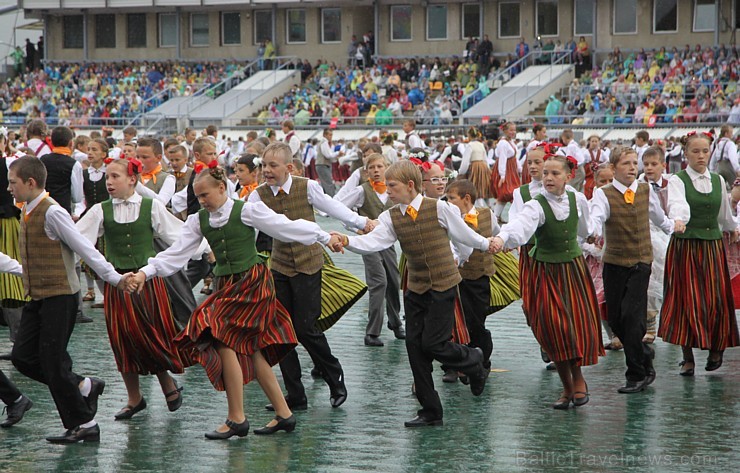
(572, 161)
(550, 148)
(200, 166)
(427, 166)
(108, 160)
(134, 165)
(416, 161)
(708, 134)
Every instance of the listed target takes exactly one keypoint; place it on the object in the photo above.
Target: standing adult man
(325, 156)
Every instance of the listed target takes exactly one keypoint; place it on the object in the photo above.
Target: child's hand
(336, 242)
(679, 226)
(495, 245)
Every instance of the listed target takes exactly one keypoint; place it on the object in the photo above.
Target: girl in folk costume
(539, 138)
(12, 296)
(598, 156)
(505, 174)
(95, 191)
(475, 167)
(562, 307)
(698, 309)
(241, 330)
(141, 327)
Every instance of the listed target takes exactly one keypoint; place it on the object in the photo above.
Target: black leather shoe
(450, 376)
(287, 425)
(82, 319)
(6, 356)
(649, 376)
(714, 364)
(297, 405)
(373, 341)
(399, 332)
(419, 421)
(686, 371)
(78, 434)
(240, 430)
(129, 411)
(97, 386)
(632, 387)
(551, 366)
(338, 395)
(478, 381)
(562, 403)
(174, 404)
(16, 411)
(580, 401)
(544, 356)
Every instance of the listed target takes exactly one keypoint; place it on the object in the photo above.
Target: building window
(471, 20)
(705, 18)
(136, 30)
(400, 22)
(547, 18)
(105, 31)
(72, 30)
(583, 18)
(167, 30)
(296, 26)
(625, 16)
(436, 22)
(331, 25)
(231, 28)
(665, 16)
(508, 20)
(262, 26)
(199, 29)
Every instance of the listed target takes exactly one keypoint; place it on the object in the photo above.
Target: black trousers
(8, 392)
(475, 296)
(429, 321)
(40, 352)
(625, 291)
(301, 297)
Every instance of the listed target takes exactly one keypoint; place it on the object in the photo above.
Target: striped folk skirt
(340, 289)
(141, 329)
(244, 315)
(503, 189)
(460, 328)
(526, 178)
(698, 308)
(525, 271)
(480, 175)
(12, 294)
(505, 281)
(563, 311)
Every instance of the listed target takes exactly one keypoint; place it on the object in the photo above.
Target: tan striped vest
(161, 176)
(293, 258)
(627, 232)
(480, 263)
(48, 265)
(427, 248)
(372, 206)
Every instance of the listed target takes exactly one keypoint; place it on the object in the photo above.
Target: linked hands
(369, 226)
(495, 245)
(124, 282)
(337, 242)
(132, 282)
(679, 226)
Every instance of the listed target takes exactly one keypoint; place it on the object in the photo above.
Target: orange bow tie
(472, 219)
(146, 176)
(378, 187)
(629, 196)
(178, 175)
(281, 191)
(412, 212)
(245, 191)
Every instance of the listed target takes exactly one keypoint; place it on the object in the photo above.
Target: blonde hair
(403, 172)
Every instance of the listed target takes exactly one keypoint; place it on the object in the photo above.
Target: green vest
(526, 197)
(129, 245)
(233, 244)
(556, 241)
(704, 210)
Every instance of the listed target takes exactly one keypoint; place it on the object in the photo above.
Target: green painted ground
(678, 424)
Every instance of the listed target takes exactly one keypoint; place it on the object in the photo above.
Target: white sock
(86, 387)
(87, 425)
(19, 399)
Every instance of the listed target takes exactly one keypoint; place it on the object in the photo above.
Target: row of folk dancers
(257, 316)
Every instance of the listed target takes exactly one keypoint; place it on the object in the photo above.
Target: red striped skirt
(698, 308)
(526, 178)
(525, 270)
(503, 190)
(141, 329)
(588, 182)
(564, 312)
(244, 315)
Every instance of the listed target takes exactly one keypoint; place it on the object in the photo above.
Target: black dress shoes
(297, 405)
(713, 364)
(450, 376)
(562, 403)
(420, 421)
(174, 404)
(632, 387)
(16, 411)
(399, 332)
(478, 381)
(129, 411)
(373, 341)
(82, 319)
(338, 395)
(78, 434)
(240, 430)
(97, 386)
(649, 376)
(287, 425)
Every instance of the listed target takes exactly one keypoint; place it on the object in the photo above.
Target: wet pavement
(677, 424)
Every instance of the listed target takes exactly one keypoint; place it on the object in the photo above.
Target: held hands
(337, 242)
(136, 282)
(679, 226)
(735, 236)
(123, 284)
(370, 225)
(495, 245)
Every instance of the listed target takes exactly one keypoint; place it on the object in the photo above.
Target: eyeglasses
(437, 180)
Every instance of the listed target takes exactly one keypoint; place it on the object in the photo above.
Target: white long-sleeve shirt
(600, 209)
(505, 150)
(355, 197)
(322, 202)
(678, 207)
(384, 235)
(573, 149)
(475, 151)
(179, 201)
(256, 215)
(724, 150)
(351, 183)
(535, 188)
(518, 232)
(165, 192)
(58, 226)
(10, 266)
(327, 150)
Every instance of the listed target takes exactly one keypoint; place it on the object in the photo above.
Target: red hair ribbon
(427, 166)
(213, 164)
(134, 164)
(108, 160)
(548, 156)
(550, 148)
(572, 161)
(709, 135)
(416, 161)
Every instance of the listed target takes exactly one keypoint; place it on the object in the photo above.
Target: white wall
(10, 35)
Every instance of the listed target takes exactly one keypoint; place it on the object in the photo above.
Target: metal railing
(486, 86)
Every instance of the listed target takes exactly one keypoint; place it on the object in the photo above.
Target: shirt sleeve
(327, 151)
(165, 225)
(60, 224)
(383, 236)
(518, 232)
(295, 144)
(10, 266)
(732, 156)
(516, 205)
(658, 216)
(179, 201)
(585, 225)
(165, 193)
(258, 215)
(458, 231)
(331, 207)
(678, 207)
(726, 221)
(600, 210)
(78, 194)
(352, 199)
(349, 185)
(91, 225)
(465, 160)
(174, 258)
